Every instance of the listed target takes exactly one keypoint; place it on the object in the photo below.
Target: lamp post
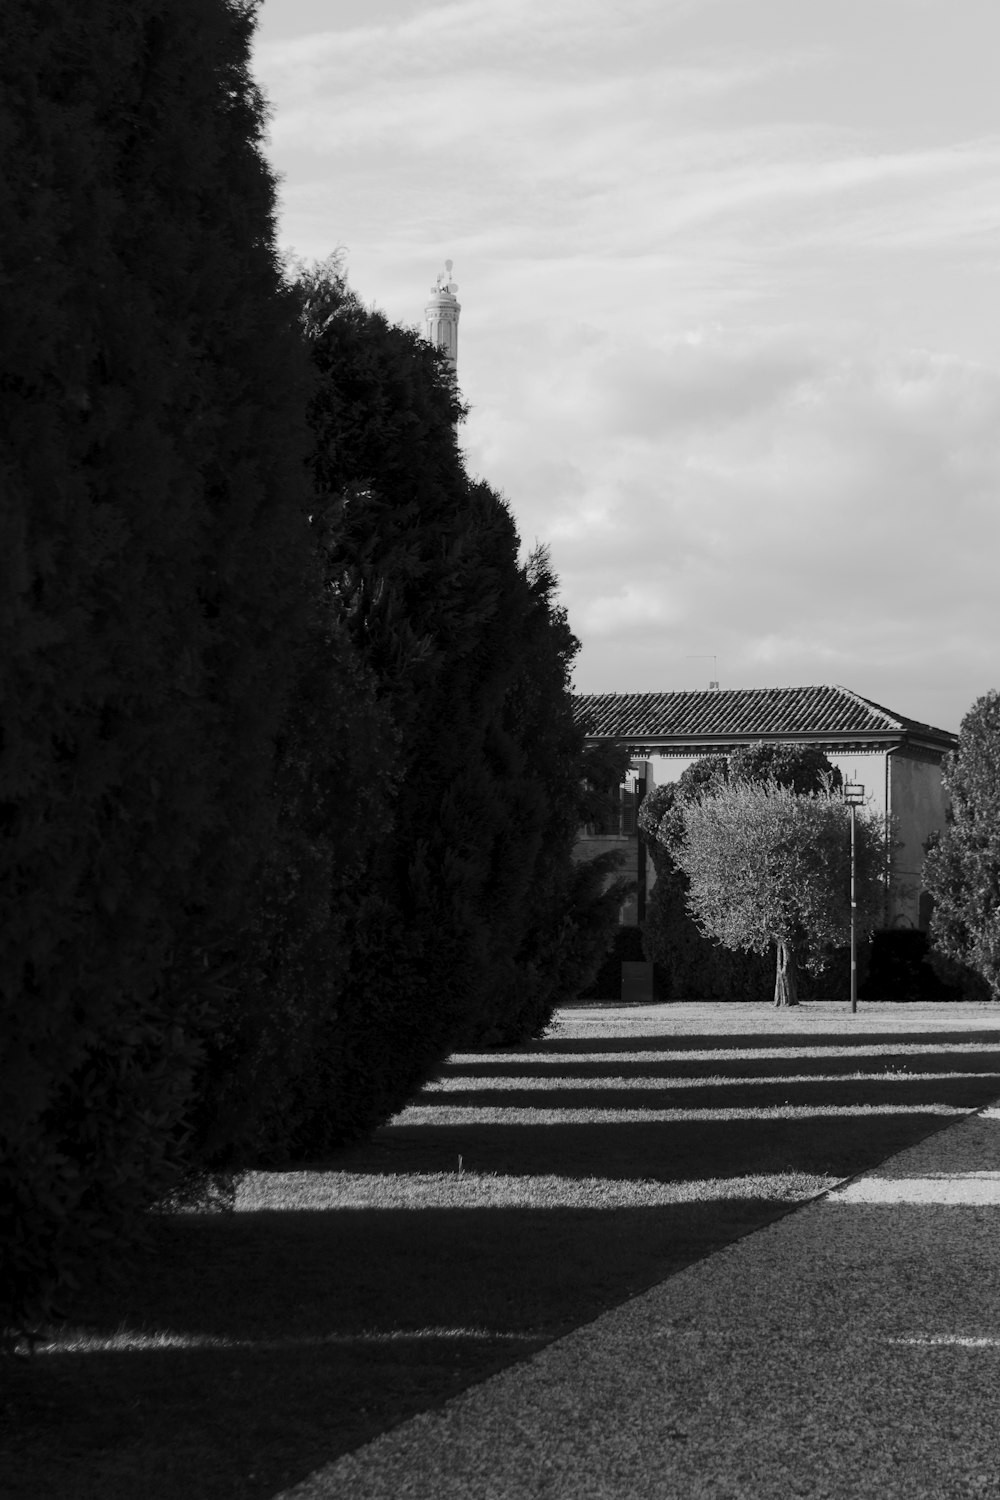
(854, 796)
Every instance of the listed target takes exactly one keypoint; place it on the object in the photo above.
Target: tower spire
(441, 314)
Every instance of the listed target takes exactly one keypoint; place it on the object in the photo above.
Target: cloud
(797, 511)
(723, 273)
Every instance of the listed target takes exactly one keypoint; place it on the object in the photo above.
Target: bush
(626, 947)
(962, 870)
(902, 969)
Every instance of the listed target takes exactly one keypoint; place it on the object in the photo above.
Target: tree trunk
(786, 976)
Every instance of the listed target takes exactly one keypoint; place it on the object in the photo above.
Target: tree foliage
(152, 546)
(557, 914)
(768, 867)
(458, 927)
(962, 872)
(692, 964)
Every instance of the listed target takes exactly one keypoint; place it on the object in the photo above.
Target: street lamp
(854, 796)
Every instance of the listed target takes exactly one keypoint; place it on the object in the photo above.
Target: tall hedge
(461, 908)
(333, 776)
(151, 559)
(556, 914)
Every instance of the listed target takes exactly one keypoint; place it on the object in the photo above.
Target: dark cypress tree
(460, 928)
(153, 551)
(423, 565)
(553, 917)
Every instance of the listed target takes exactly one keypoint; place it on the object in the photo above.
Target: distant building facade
(898, 760)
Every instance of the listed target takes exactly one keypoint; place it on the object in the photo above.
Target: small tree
(690, 963)
(962, 872)
(770, 867)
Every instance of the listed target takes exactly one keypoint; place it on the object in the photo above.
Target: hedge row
(288, 773)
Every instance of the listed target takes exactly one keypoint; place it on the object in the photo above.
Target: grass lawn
(522, 1194)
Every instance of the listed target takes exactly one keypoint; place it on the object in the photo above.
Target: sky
(730, 284)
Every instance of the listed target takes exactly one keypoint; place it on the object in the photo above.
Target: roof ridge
(895, 720)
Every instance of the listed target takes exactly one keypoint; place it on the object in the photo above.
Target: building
(898, 760)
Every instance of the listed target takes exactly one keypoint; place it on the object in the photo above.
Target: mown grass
(522, 1194)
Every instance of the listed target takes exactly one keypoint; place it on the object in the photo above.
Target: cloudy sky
(730, 280)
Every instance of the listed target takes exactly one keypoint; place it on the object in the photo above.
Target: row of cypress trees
(289, 779)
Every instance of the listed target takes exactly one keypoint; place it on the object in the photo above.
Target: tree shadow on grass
(647, 1150)
(739, 1041)
(816, 1095)
(894, 1060)
(309, 1332)
(330, 1327)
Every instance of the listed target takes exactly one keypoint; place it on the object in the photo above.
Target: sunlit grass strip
(713, 1054)
(450, 1190)
(134, 1340)
(461, 1114)
(946, 1341)
(456, 1083)
(941, 1189)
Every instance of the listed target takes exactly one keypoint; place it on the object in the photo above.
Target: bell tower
(441, 315)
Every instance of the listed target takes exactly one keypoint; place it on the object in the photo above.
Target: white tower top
(441, 314)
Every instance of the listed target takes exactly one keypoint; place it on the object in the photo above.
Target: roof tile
(744, 713)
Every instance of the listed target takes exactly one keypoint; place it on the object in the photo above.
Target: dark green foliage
(600, 806)
(900, 970)
(152, 546)
(689, 965)
(802, 768)
(626, 947)
(552, 916)
(463, 924)
(956, 981)
(962, 872)
(702, 777)
(332, 784)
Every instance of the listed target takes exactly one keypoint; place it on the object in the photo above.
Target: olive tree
(769, 868)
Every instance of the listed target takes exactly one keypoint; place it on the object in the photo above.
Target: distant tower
(442, 313)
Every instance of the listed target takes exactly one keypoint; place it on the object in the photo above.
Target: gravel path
(851, 1350)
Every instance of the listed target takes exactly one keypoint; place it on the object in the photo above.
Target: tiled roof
(746, 713)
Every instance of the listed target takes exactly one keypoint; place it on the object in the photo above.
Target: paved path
(850, 1350)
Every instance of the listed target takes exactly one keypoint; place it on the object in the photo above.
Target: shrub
(962, 871)
(626, 947)
(903, 969)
